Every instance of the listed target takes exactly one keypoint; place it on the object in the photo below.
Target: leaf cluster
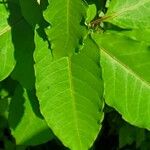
(63, 62)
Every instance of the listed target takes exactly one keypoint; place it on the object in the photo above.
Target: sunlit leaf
(7, 61)
(125, 64)
(129, 13)
(70, 94)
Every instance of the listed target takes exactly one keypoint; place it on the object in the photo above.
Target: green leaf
(125, 66)
(7, 61)
(67, 30)
(129, 13)
(91, 13)
(70, 92)
(28, 127)
(137, 34)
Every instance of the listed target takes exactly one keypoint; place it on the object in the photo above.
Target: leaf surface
(7, 61)
(136, 34)
(125, 65)
(28, 127)
(129, 13)
(70, 94)
(67, 31)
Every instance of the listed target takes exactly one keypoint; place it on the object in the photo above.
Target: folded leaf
(129, 13)
(26, 123)
(125, 65)
(70, 93)
(7, 61)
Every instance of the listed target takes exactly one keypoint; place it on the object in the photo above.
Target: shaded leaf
(67, 30)
(129, 134)
(22, 36)
(28, 127)
(23, 39)
(31, 11)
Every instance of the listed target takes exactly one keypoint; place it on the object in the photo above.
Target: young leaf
(7, 61)
(129, 13)
(125, 65)
(66, 32)
(70, 93)
(28, 127)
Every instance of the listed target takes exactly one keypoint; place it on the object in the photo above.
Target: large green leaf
(129, 13)
(26, 123)
(7, 61)
(126, 75)
(70, 94)
(66, 32)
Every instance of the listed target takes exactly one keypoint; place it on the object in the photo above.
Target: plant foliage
(62, 61)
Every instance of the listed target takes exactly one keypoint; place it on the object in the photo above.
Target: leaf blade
(62, 92)
(129, 13)
(24, 127)
(67, 30)
(7, 61)
(125, 64)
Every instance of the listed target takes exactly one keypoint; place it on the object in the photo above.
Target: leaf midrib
(126, 67)
(67, 23)
(73, 99)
